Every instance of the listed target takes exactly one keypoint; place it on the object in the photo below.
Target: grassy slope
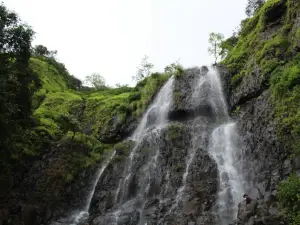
(92, 109)
(273, 45)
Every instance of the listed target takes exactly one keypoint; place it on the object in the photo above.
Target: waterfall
(154, 119)
(223, 149)
(163, 179)
(225, 153)
(81, 216)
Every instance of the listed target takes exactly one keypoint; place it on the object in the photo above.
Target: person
(247, 199)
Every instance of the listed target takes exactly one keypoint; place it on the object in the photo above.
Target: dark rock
(28, 215)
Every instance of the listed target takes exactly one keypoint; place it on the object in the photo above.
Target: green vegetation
(236, 79)
(175, 69)
(176, 98)
(174, 131)
(285, 84)
(289, 197)
(17, 82)
(96, 81)
(277, 58)
(44, 108)
(253, 6)
(298, 33)
(215, 41)
(144, 69)
(237, 110)
(123, 148)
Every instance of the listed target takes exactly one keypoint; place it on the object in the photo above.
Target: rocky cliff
(251, 83)
(171, 178)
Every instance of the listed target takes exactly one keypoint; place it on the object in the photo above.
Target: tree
(175, 69)
(70, 123)
(17, 82)
(228, 44)
(253, 6)
(75, 83)
(144, 69)
(215, 40)
(95, 80)
(41, 50)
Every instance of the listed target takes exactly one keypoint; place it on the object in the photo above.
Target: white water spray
(83, 215)
(224, 151)
(155, 118)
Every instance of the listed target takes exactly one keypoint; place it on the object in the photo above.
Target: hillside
(181, 147)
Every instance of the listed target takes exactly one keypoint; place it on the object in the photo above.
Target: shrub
(289, 197)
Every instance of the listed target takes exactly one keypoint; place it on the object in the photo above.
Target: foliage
(298, 33)
(95, 80)
(17, 81)
(237, 110)
(273, 48)
(123, 148)
(289, 197)
(175, 69)
(215, 40)
(237, 79)
(56, 111)
(144, 69)
(62, 112)
(275, 57)
(256, 49)
(228, 44)
(285, 84)
(253, 6)
(42, 51)
(70, 123)
(174, 131)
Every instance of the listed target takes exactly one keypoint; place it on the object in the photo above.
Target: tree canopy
(144, 69)
(215, 41)
(253, 6)
(96, 81)
(17, 82)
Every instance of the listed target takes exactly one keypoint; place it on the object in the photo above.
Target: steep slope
(262, 85)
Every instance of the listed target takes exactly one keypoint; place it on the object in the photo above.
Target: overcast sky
(112, 36)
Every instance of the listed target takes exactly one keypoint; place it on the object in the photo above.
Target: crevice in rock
(185, 114)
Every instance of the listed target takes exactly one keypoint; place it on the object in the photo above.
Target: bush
(285, 84)
(289, 197)
(274, 48)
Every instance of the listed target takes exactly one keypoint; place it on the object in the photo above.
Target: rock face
(171, 177)
(43, 194)
(264, 159)
(172, 147)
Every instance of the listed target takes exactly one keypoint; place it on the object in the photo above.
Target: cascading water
(153, 120)
(160, 182)
(79, 217)
(224, 151)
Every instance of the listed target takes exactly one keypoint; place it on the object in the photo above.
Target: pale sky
(112, 36)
